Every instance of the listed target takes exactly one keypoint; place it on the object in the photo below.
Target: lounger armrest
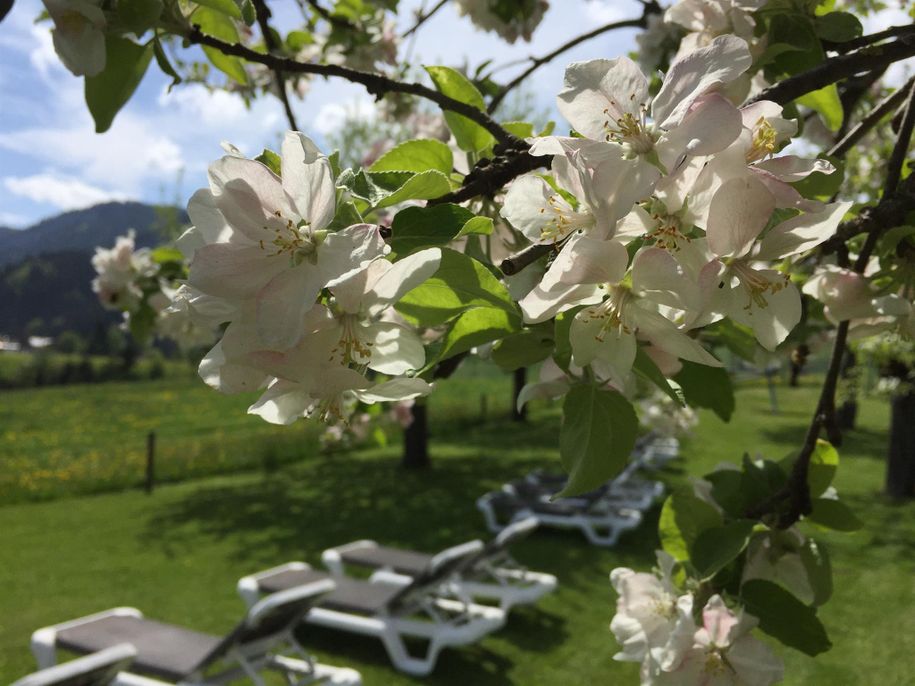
(386, 576)
(248, 587)
(333, 557)
(97, 666)
(130, 679)
(44, 640)
(265, 606)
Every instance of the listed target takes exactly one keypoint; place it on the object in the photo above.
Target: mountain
(82, 230)
(46, 273)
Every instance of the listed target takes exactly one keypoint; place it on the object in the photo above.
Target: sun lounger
(171, 654)
(601, 524)
(390, 606)
(96, 669)
(492, 574)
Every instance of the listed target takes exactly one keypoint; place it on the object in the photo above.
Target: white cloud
(332, 116)
(62, 192)
(12, 220)
(211, 107)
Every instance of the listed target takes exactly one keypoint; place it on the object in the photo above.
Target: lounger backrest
(272, 616)
(444, 565)
(96, 669)
(512, 534)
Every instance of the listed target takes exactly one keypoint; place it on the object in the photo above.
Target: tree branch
(329, 16)
(376, 84)
(421, 18)
(537, 62)
(263, 20)
(863, 41)
(881, 109)
(489, 176)
(837, 68)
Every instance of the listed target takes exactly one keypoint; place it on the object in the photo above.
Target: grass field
(91, 438)
(178, 553)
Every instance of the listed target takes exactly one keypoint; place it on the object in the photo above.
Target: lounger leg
(397, 651)
(594, 537)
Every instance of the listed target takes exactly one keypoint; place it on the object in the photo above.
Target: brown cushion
(401, 561)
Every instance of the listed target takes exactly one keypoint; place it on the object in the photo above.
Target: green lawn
(91, 438)
(178, 553)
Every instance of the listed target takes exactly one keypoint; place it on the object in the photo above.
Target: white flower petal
(739, 211)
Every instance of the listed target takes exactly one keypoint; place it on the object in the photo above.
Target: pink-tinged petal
(542, 304)
(345, 252)
(282, 303)
(350, 292)
(227, 270)
(588, 260)
(249, 196)
(739, 211)
(710, 126)
(206, 217)
(393, 390)
(308, 180)
(698, 73)
(600, 90)
(658, 274)
(803, 232)
(669, 364)
(790, 168)
(762, 109)
(664, 335)
(786, 196)
(616, 185)
(389, 285)
(718, 621)
(754, 662)
(282, 403)
(773, 322)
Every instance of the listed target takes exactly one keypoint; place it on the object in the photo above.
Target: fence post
(150, 461)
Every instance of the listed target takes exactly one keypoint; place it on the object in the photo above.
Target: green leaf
(784, 617)
(423, 186)
(838, 27)
(597, 435)
(219, 25)
(469, 135)
(684, 517)
(708, 387)
(416, 156)
(825, 101)
(227, 7)
(139, 15)
(271, 160)
(476, 327)
(819, 570)
(521, 129)
(415, 228)
(481, 226)
(727, 490)
(737, 338)
(645, 367)
(822, 469)
(530, 346)
(296, 40)
(834, 514)
(563, 324)
(714, 548)
(164, 64)
(461, 283)
(166, 254)
(106, 93)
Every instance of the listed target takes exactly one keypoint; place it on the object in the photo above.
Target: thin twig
(263, 20)
(330, 17)
(521, 259)
(837, 68)
(422, 17)
(884, 107)
(863, 41)
(376, 84)
(537, 62)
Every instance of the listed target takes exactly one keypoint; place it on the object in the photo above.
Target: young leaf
(838, 27)
(525, 348)
(819, 570)
(227, 7)
(684, 517)
(164, 64)
(106, 93)
(645, 367)
(475, 327)
(784, 617)
(834, 514)
(714, 548)
(469, 135)
(479, 226)
(215, 23)
(708, 387)
(416, 156)
(423, 186)
(271, 160)
(139, 15)
(826, 102)
(597, 435)
(822, 469)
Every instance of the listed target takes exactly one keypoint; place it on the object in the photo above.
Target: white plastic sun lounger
(390, 606)
(601, 524)
(490, 575)
(169, 654)
(97, 669)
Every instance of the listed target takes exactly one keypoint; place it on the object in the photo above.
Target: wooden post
(900, 467)
(416, 439)
(150, 461)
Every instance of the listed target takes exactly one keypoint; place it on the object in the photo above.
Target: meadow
(178, 553)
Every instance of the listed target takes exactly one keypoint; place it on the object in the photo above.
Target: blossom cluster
(510, 20)
(307, 308)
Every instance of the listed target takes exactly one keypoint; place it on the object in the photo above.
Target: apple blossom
(119, 270)
(509, 20)
(78, 34)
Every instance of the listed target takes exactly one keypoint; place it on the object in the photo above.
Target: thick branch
(870, 39)
(521, 259)
(489, 176)
(376, 84)
(537, 62)
(838, 68)
(263, 20)
(422, 17)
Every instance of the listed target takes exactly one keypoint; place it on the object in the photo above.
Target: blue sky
(160, 144)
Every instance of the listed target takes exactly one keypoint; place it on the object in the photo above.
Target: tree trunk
(900, 467)
(520, 378)
(416, 440)
(847, 412)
